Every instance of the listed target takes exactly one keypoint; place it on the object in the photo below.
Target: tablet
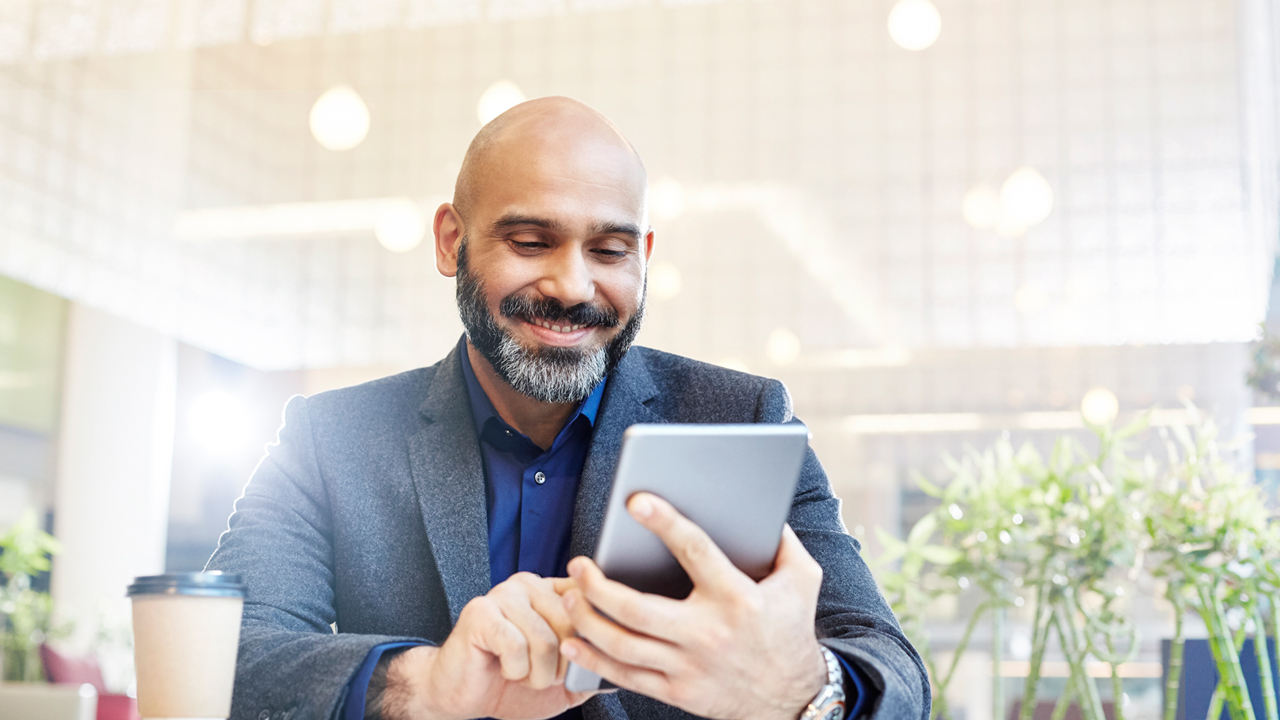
(736, 482)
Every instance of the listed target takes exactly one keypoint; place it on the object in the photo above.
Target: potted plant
(26, 615)
(1069, 536)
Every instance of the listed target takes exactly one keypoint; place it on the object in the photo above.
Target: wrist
(408, 695)
(803, 688)
(831, 701)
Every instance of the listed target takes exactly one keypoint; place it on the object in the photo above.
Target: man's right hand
(501, 660)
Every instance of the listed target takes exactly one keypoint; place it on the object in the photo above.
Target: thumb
(793, 561)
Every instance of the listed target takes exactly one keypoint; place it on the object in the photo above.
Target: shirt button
(539, 478)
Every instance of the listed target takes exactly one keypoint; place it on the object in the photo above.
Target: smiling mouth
(553, 327)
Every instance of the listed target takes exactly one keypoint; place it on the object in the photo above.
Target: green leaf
(940, 554)
(923, 530)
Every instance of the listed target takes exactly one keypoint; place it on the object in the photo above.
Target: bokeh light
(1099, 406)
(666, 199)
(914, 24)
(664, 280)
(339, 119)
(401, 227)
(783, 347)
(499, 98)
(981, 206)
(1026, 199)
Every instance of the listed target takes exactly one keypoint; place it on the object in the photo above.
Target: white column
(111, 499)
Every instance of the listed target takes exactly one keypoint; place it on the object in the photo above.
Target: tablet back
(733, 481)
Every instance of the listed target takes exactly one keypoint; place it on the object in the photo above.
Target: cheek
(626, 291)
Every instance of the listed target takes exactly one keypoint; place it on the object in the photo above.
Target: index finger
(707, 565)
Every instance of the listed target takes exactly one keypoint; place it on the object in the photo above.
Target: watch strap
(829, 703)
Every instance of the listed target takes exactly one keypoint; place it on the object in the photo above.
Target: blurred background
(938, 221)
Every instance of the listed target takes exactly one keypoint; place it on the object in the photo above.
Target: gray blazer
(369, 513)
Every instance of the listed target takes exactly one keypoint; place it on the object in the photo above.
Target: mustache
(554, 311)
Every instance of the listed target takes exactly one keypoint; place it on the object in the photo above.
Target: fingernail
(575, 568)
(641, 505)
(568, 650)
(569, 599)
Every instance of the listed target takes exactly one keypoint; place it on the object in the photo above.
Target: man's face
(551, 269)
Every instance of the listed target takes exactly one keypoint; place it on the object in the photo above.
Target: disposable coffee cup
(186, 628)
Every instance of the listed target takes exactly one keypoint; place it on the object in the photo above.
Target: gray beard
(552, 374)
(550, 379)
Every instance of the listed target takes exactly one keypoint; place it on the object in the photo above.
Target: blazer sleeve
(853, 619)
(291, 664)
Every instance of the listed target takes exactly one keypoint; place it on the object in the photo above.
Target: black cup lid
(207, 584)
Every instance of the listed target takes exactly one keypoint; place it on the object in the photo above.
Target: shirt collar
(482, 407)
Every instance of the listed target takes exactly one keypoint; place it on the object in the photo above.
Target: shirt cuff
(855, 697)
(358, 687)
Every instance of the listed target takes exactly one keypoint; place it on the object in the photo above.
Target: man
(431, 516)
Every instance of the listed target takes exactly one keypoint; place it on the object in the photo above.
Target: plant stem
(1226, 651)
(1039, 636)
(1064, 702)
(1264, 663)
(1216, 701)
(963, 644)
(997, 663)
(1117, 685)
(1173, 680)
(940, 700)
(940, 708)
(1074, 648)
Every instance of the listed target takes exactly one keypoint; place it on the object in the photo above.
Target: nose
(567, 277)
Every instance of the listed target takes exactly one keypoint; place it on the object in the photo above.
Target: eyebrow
(631, 230)
(515, 220)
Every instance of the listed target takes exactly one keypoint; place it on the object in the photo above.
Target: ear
(648, 246)
(449, 231)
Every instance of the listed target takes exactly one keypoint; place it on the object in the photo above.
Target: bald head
(557, 134)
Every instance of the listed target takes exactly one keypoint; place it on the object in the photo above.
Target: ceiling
(813, 171)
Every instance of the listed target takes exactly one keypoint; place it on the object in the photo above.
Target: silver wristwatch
(828, 704)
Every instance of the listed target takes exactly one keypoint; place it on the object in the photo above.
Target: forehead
(574, 178)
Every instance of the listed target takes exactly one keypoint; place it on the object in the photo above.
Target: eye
(526, 245)
(610, 254)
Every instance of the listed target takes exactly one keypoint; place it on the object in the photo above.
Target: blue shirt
(529, 491)
(530, 494)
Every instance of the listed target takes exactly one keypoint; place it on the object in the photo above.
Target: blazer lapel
(448, 475)
(623, 405)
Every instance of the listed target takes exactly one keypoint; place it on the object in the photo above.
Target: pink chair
(65, 670)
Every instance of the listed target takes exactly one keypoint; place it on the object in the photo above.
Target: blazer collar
(625, 403)
(448, 475)
(448, 472)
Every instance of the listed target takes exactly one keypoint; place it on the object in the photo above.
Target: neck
(540, 421)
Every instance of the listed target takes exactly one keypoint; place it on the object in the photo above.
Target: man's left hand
(734, 649)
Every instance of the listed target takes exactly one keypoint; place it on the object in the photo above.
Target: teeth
(558, 328)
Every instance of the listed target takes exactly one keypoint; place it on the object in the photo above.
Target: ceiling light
(914, 24)
(664, 280)
(499, 98)
(783, 347)
(1099, 406)
(401, 227)
(339, 119)
(1025, 199)
(666, 199)
(981, 206)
